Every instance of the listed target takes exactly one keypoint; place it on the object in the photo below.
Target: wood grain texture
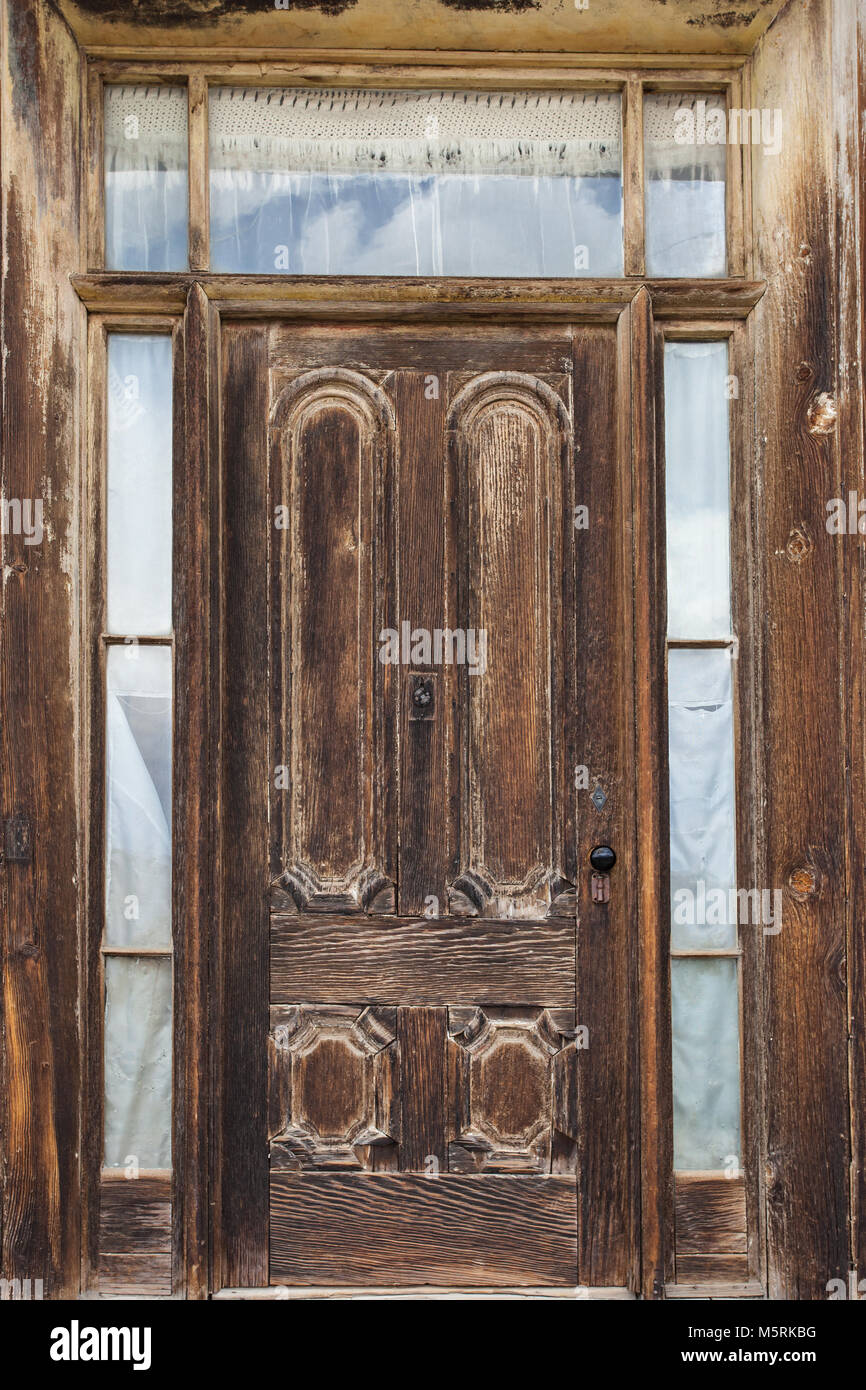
(406, 1229)
(135, 1216)
(512, 1091)
(420, 352)
(850, 50)
(421, 962)
(41, 902)
(332, 1099)
(194, 833)
(240, 1079)
(651, 805)
(712, 1269)
(710, 1214)
(331, 466)
(425, 493)
(795, 198)
(607, 1068)
(135, 1276)
(449, 300)
(421, 1040)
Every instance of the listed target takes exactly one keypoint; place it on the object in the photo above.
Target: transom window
(416, 182)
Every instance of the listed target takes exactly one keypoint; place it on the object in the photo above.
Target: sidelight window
(137, 933)
(701, 650)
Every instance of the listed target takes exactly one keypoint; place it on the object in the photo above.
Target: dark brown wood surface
(448, 1041)
(651, 806)
(383, 1228)
(135, 1216)
(421, 1041)
(196, 604)
(603, 742)
(798, 378)
(710, 1215)
(41, 902)
(242, 967)
(450, 961)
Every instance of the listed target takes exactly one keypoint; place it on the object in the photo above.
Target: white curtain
(138, 822)
(146, 195)
(685, 184)
(139, 532)
(706, 1064)
(704, 991)
(138, 741)
(138, 1009)
(697, 489)
(352, 181)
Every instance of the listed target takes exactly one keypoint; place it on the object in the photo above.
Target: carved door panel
(423, 1079)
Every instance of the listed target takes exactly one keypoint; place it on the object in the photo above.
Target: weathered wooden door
(424, 1075)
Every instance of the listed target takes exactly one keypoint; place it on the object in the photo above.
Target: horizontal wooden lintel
(413, 298)
(342, 65)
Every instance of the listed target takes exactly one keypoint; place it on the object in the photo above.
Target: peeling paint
(728, 19)
(822, 414)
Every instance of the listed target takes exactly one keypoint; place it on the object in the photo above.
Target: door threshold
(752, 1289)
(421, 1291)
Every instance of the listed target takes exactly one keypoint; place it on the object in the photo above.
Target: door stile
(196, 605)
(651, 804)
(608, 1117)
(240, 1153)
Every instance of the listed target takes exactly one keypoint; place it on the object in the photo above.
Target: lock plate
(422, 697)
(600, 884)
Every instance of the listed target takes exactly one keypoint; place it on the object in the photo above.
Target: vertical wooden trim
(600, 557)
(749, 784)
(426, 586)
(651, 739)
(93, 660)
(421, 1038)
(849, 89)
(241, 1146)
(94, 201)
(196, 783)
(633, 177)
(197, 173)
(735, 168)
(800, 369)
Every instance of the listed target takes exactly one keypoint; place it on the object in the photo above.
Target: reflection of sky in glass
(146, 219)
(685, 226)
(407, 224)
(697, 476)
(701, 749)
(706, 1063)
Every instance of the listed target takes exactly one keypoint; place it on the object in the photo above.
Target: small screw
(598, 798)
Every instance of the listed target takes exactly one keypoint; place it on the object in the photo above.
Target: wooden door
(425, 1075)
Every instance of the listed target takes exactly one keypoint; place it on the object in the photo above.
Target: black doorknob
(602, 859)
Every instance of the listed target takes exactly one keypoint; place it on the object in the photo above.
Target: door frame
(197, 305)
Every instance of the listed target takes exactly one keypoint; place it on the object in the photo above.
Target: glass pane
(139, 484)
(706, 1063)
(137, 1062)
(355, 182)
(684, 171)
(138, 821)
(702, 807)
(697, 486)
(146, 156)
